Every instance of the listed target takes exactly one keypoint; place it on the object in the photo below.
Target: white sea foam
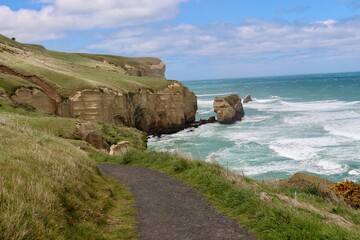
(348, 129)
(329, 165)
(279, 105)
(294, 152)
(266, 100)
(205, 111)
(205, 103)
(322, 117)
(354, 172)
(291, 167)
(256, 119)
(214, 94)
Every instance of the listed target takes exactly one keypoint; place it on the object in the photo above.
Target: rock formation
(228, 109)
(197, 124)
(89, 133)
(35, 98)
(119, 148)
(247, 99)
(156, 69)
(165, 111)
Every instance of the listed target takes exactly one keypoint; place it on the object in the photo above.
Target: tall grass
(49, 189)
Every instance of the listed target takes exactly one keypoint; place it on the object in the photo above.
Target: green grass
(50, 189)
(68, 73)
(114, 134)
(10, 83)
(239, 198)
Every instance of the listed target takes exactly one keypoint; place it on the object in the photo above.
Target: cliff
(100, 88)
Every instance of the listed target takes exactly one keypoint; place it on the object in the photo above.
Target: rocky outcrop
(247, 99)
(88, 132)
(35, 98)
(197, 124)
(165, 111)
(154, 69)
(119, 148)
(228, 109)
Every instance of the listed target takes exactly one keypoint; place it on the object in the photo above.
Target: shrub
(349, 191)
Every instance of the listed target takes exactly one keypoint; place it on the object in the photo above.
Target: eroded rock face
(165, 111)
(35, 98)
(152, 70)
(228, 109)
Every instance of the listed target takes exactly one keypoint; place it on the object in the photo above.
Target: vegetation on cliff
(349, 191)
(68, 73)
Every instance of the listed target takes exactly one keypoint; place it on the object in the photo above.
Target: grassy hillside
(50, 189)
(69, 72)
(271, 210)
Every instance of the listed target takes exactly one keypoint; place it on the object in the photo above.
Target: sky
(198, 39)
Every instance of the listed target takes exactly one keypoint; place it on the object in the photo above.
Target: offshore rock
(247, 99)
(228, 109)
(197, 124)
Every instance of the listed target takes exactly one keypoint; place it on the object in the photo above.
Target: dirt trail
(168, 209)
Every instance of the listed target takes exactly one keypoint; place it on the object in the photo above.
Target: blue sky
(198, 39)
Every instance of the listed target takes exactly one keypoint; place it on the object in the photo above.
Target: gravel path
(168, 209)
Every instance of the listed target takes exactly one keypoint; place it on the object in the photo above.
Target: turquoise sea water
(308, 123)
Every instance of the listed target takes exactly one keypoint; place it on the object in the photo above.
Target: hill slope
(50, 189)
(70, 72)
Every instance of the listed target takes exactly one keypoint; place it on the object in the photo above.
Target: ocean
(302, 123)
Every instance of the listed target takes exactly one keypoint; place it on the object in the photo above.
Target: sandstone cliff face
(165, 111)
(228, 109)
(35, 98)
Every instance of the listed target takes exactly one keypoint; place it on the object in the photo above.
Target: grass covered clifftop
(67, 73)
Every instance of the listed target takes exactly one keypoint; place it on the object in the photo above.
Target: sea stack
(228, 109)
(247, 99)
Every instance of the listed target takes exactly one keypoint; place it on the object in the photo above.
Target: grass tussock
(49, 189)
(269, 210)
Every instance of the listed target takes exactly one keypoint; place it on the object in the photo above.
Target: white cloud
(252, 38)
(58, 16)
(254, 47)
